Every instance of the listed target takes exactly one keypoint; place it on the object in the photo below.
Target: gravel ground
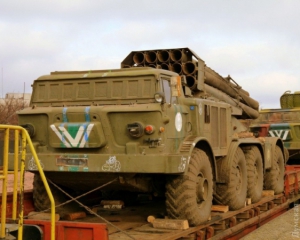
(284, 227)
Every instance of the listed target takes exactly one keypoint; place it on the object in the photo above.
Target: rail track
(130, 222)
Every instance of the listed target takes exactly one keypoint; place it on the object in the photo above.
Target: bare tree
(8, 109)
(8, 115)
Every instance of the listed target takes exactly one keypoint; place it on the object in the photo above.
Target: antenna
(24, 95)
(2, 82)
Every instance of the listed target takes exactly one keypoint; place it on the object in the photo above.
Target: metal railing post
(15, 192)
(4, 182)
(25, 140)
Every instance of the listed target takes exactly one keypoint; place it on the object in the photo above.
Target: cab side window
(167, 91)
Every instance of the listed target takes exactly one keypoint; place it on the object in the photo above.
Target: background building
(20, 96)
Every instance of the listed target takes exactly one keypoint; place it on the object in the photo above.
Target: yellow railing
(25, 139)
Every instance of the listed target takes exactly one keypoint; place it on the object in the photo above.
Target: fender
(269, 150)
(224, 164)
(202, 143)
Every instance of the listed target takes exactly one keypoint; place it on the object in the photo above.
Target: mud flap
(269, 149)
(268, 154)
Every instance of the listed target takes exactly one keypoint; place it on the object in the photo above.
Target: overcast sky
(256, 42)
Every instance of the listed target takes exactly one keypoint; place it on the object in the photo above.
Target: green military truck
(163, 124)
(283, 122)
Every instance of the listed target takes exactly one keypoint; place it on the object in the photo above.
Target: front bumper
(119, 163)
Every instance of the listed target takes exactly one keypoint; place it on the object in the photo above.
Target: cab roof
(134, 71)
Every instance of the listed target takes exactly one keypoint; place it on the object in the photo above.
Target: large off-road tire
(255, 174)
(274, 177)
(189, 196)
(234, 192)
(41, 200)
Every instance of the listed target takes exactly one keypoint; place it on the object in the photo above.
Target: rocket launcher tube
(150, 57)
(178, 56)
(246, 110)
(235, 85)
(178, 60)
(176, 67)
(191, 82)
(165, 66)
(189, 68)
(163, 56)
(139, 58)
(215, 80)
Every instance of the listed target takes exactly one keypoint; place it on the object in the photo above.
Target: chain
(86, 207)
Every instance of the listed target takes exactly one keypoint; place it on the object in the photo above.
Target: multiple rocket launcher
(202, 80)
(290, 100)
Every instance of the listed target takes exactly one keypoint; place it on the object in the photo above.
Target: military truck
(283, 122)
(163, 124)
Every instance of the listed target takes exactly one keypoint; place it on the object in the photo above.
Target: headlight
(30, 129)
(159, 97)
(135, 129)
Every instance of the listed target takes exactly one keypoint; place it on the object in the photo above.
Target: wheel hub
(202, 189)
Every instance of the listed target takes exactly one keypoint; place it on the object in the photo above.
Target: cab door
(177, 114)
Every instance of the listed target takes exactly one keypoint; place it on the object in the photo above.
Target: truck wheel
(41, 200)
(234, 192)
(189, 196)
(274, 177)
(255, 174)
